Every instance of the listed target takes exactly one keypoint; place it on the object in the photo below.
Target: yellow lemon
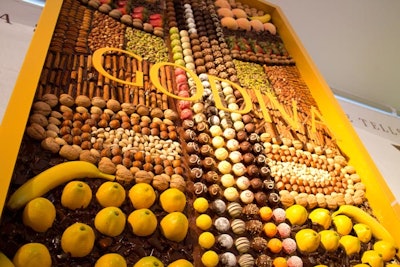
(111, 260)
(149, 261)
(373, 258)
(78, 240)
(200, 204)
(5, 261)
(39, 214)
(206, 240)
(76, 195)
(307, 240)
(174, 226)
(180, 263)
(204, 221)
(329, 240)
(363, 232)
(343, 224)
(110, 221)
(32, 255)
(386, 249)
(142, 196)
(143, 222)
(172, 200)
(296, 214)
(210, 258)
(321, 217)
(110, 194)
(350, 244)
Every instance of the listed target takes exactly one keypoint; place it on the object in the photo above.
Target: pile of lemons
(78, 239)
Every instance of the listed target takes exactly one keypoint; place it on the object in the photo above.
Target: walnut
(331, 202)
(114, 105)
(36, 131)
(123, 175)
(106, 166)
(143, 177)
(66, 100)
(69, 152)
(82, 101)
(161, 182)
(301, 199)
(128, 108)
(98, 102)
(312, 201)
(39, 119)
(85, 155)
(287, 200)
(178, 182)
(50, 99)
(50, 144)
(41, 107)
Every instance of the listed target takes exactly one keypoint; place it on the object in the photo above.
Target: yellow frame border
(381, 199)
(19, 105)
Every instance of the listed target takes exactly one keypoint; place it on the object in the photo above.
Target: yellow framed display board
(13, 126)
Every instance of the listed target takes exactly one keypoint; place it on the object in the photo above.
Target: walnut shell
(161, 182)
(106, 165)
(41, 107)
(66, 100)
(143, 177)
(123, 175)
(36, 131)
(69, 152)
(50, 144)
(50, 99)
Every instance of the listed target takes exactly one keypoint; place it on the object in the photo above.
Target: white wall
(14, 42)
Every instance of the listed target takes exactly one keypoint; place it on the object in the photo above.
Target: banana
(53, 177)
(360, 216)
(264, 19)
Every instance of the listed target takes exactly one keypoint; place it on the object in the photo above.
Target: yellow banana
(53, 177)
(264, 19)
(360, 216)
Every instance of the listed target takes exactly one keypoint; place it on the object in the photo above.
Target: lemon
(110, 194)
(210, 258)
(386, 249)
(363, 232)
(142, 196)
(78, 240)
(5, 261)
(343, 224)
(149, 261)
(111, 260)
(200, 204)
(174, 226)
(76, 195)
(110, 221)
(372, 258)
(204, 222)
(307, 240)
(321, 217)
(350, 244)
(296, 214)
(172, 200)
(206, 240)
(180, 263)
(143, 222)
(329, 240)
(32, 255)
(39, 214)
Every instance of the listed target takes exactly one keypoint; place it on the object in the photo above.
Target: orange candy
(270, 229)
(265, 213)
(275, 245)
(279, 262)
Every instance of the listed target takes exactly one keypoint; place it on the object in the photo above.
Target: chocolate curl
(85, 88)
(135, 100)
(121, 62)
(127, 91)
(106, 92)
(49, 60)
(81, 61)
(89, 63)
(141, 97)
(128, 66)
(65, 78)
(91, 89)
(58, 77)
(57, 60)
(52, 77)
(170, 76)
(43, 76)
(108, 63)
(79, 84)
(71, 89)
(153, 99)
